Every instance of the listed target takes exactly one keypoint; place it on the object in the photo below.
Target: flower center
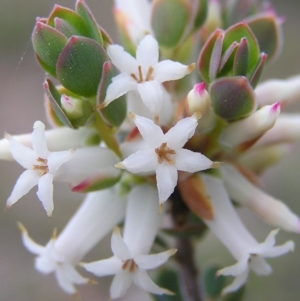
(139, 78)
(43, 167)
(129, 265)
(163, 152)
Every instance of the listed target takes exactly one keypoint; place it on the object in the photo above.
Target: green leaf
(236, 33)
(65, 28)
(79, 67)
(83, 11)
(232, 97)
(201, 14)
(215, 58)
(116, 111)
(169, 21)
(258, 70)
(241, 58)
(205, 55)
(213, 285)
(54, 97)
(70, 17)
(47, 44)
(268, 33)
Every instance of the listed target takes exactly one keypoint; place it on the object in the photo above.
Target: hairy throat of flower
(42, 167)
(139, 78)
(163, 152)
(129, 265)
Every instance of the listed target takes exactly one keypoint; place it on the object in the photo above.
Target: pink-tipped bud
(198, 99)
(244, 133)
(71, 106)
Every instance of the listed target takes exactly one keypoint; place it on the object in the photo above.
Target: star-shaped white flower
(41, 167)
(165, 154)
(128, 267)
(144, 74)
(49, 260)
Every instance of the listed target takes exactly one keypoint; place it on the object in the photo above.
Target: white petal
(27, 180)
(56, 159)
(143, 281)
(152, 95)
(73, 275)
(141, 161)
(151, 132)
(140, 229)
(118, 246)
(121, 59)
(189, 161)
(39, 141)
(119, 86)
(150, 262)
(147, 52)
(25, 156)
(45, 192)
(259, 265)
(279, 250)
(238, 282)
(106, 267)
(120, 284)
(30, 244)
(169, 70)
(64, 282)
(236, 269)
(178, 135)
(45, 264)
(166, 177)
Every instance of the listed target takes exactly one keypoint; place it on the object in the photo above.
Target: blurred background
(21, 103)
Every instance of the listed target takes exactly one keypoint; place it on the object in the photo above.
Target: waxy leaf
(201, 14)
(235, 34)
(116, 111)
(79, 67)
(258, 70)
(65, 28)
(83, 11)
(47, 44)
(54, 97)
(70, 17)
(241, 58)
(169, 21)
(232, 97)
(215, 58)
(268, 33)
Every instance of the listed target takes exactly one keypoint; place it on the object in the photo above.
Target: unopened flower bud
(72, 106)
(198, 99)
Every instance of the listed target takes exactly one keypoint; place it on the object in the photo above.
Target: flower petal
(235, 269)
(56, 159)
(119, 86)
(27, 180)
(29, 243)
(140, 229)
(45, 192)
(122, 59)
(152, 95)
(168, 70)
(105, 267)
(259, 265)
(118, 246)
(166, 177)
(63, 280)
(39, 141)
(147, 52)
(45, 264)
(189, 161)
(178, 135)
(143, 281)
(151, 132)
(25, 156)
(73, 275)
(150, 262)
(238, 282)
(142, 161)
(120, 284)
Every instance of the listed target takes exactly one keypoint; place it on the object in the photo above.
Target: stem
(188, 273)
(107, 134)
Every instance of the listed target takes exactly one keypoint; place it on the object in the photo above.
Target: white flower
(165, 154)
(41, 166)
(144, 74)
(96, 217)
(230, 230)
(130, 262)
